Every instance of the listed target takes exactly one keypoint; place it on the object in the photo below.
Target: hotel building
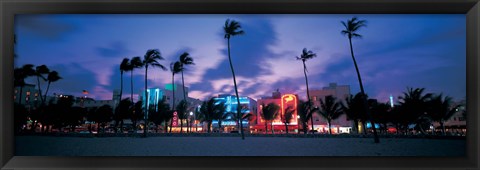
(339, 125)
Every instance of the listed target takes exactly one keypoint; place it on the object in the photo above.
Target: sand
(234, 146)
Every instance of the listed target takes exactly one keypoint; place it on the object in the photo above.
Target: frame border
(8, 8)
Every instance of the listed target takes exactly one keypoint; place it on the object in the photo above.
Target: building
(30, 95)
(283, 101)
(247, 104)
(340, 125)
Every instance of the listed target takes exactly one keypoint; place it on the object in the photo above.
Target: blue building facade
(248, 104)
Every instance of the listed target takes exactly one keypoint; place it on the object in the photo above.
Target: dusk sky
(396, 52)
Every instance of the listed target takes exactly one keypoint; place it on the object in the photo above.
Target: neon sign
(287, 102)
(175, 119)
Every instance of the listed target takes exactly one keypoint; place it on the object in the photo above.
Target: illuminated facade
(284, 101)
(339, 125)
(248, 104)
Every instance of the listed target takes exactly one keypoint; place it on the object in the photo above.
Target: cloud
(45, 27)
(114, 50)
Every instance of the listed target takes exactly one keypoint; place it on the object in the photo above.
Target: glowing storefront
(248, 106)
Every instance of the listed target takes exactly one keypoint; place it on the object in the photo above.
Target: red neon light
(287, 98)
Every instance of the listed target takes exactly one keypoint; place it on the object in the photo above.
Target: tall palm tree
(287, 116)
(124, 66)
(135, 63)
(150, 58)
(40, 71)
(306, 55)
(269, 113)
(20, 74)
(330, 109)
(52, 77)
(441, 109)
(185, 59)
(351, 28)
(233, 28)
(175, 68)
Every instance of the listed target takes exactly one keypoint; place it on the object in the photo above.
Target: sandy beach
(234, 146)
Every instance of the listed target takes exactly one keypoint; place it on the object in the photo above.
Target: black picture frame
(9, 8)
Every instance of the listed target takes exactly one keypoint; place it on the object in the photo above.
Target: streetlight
(298, 124)
(191, 113)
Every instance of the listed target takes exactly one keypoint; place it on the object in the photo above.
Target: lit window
(36, 94)
(28, 93)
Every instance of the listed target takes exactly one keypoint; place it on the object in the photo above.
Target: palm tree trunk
(266, 127)
(146, 106)
(39, 89)
(363, 93)
(173, 91)
(46, 92)
(181, 126)
(184, 92)
(131, 85)
(171, 125)
(271, 125)
(308, 93)
(329, 126)
(356, 125)
(443, 127)
(209, 125)
(121, 85)
(304, 127)
(364, 127)
(236, 90)
(286, 128)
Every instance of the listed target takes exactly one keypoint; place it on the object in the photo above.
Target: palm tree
(287, 116)
(182, 113)
(136, 114)
(306, 55)
(20, 74)
(164, 112)
(39, 72)
(175, 68)
(209, 111)
(124, 66)
(305, 111)
(200, 117)
(121, 113)
(330, 109)
(135, 62)
(52, 77)
(150, 58)
(354, 109)
(414, 104)
(269, 113)
(380, 113)
(220, 115)
(441, 109)
(185, 59)
(233, 28)
(104, 115)
(351, 28)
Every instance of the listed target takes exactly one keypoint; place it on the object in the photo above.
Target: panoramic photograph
(240, 85)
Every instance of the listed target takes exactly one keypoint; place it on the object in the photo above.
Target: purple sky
(396, 51)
